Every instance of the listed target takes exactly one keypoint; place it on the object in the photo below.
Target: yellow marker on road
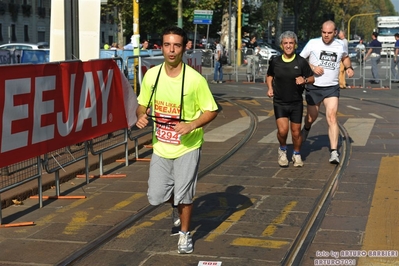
(381, 239)
(269, 231)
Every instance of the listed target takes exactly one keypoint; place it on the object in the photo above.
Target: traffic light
(245, 19)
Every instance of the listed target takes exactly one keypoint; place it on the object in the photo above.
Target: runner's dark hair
(178, 31)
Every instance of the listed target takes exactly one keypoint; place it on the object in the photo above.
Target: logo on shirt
(328, 59)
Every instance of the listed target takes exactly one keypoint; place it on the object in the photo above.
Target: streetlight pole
(230, 49)
(358, 15)
(239, 24)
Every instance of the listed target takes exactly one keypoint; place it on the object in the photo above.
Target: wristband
(348, 68)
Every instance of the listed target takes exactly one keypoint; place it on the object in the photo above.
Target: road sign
(203, 12)
(203, 16)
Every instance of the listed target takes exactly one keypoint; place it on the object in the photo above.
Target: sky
(396, 5)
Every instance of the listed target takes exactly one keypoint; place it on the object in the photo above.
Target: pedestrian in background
(374, 53)
(324, 55)
(144, 45)
(286, 77)
(252, 56)
(189, 45)
(178, 99)
(341, 78)
(395, 61)
(204, 41)
(360, 51)
(218, 66)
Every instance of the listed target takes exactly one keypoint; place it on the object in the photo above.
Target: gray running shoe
(282, 157)
(304, 134)
(334, 157)
(185, 244)
(176, 216)
(297, 160)
(214, 82)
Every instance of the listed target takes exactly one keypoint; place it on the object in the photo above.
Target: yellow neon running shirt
(166, 100)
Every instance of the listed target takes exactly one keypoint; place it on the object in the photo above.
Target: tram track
(300, 244)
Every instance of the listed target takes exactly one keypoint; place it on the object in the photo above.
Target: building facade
(28, 21)
(25, 21)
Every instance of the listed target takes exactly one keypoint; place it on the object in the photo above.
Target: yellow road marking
(269, 112)
(127, 201)
(271, 228)
(382, 230)
(243, 113)
(341, 114)
(232, 219)
(253, 102)
(47, 219)
(252, 242)
(79, 220)
(132, 230)
(225, 103)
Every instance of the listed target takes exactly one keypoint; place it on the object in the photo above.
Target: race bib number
(165, 131)
(328, 60)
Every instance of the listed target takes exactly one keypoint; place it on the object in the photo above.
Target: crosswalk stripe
(231, 129)
(359, 130)
(272, 137)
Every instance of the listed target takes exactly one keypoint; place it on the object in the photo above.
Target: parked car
(24, 46)
(353, 54)
(267, 53)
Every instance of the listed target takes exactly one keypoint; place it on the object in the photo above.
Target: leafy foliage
(154, 15)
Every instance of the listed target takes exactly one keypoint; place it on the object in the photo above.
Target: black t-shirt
(285, 89)
(251, 47)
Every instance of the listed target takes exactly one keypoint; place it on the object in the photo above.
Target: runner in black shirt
(286, 77)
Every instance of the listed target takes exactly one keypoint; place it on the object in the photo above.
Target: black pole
(71, 9)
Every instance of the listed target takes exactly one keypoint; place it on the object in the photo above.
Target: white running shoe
(334, 157)
(282, 158)
(185, 244)
(297, 160)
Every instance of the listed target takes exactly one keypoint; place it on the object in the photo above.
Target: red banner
(49, 106)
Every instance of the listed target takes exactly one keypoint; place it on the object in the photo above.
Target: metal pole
(179, 15)
(358, 15)
(239, 24)
(230, 49)
(136, 49)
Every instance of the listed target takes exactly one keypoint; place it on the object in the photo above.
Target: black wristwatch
(306, 80)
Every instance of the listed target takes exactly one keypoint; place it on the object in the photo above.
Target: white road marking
(229, 130)
(359, 130)
(376, 116)
(352, 107)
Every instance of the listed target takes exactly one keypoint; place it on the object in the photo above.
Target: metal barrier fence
(20, 173)
(108, 142)
(59, 159)
(385, 68)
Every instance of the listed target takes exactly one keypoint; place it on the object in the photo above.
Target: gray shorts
(176, 177)
(315, 95)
